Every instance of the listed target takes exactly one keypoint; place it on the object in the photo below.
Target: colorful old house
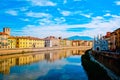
(63, 42)
(11, 42)
(117, 38)
(75, 43)
(4, 38)
(29, 42)
(80, 43)
(107, 37)
(113, 41)
(68, 43)
(52, 41)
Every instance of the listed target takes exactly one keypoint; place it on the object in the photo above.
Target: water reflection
(43, 65)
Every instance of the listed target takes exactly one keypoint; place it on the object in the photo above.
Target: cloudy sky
(41, 18)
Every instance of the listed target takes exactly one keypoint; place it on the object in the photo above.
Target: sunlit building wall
(117, 40)
(3, 37)
(11, 42)
(29, 42)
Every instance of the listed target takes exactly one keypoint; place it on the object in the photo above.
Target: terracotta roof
(25, 37)
(117, 29)
(2, 33)
(65, 39)
(11, 37)
(108, 34)
(51, 38)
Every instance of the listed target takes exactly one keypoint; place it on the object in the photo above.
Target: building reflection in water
(112, 64)
(6, 62)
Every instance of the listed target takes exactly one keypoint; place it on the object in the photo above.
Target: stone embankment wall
(23, 50)
(112, 55)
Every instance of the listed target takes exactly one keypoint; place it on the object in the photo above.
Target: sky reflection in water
(50, 68)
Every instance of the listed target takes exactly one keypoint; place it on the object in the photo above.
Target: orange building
(107, 37)
(117, 39)
(113, 41)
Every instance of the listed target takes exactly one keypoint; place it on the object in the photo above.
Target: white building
(52, 41)
(48, 43)
(100, 44)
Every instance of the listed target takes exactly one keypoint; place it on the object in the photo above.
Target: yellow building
(29, 42)
(68, 43)
(11, 42)
(63, 42)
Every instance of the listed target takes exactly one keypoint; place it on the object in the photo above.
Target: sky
(60, 18)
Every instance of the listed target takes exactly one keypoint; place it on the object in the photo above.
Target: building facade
(52, 41)
(29, 42)
(113, 41)
(11, 42)
(68, 43)
(4, 38)
(117, 38)
(100, 44)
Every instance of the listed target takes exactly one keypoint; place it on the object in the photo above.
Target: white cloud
(117, 3)
(48, 27)
(42, 3)
(50, 21)
(107, 14)
(24, 19)
(45, 21)
(37, 15)
(68, 13)
(59, 20)
(65, 13)
(111, 15)
(86, 15)
(98, 18)
(12, 12)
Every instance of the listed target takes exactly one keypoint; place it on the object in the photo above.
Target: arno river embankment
(105, 66)
(26, 50)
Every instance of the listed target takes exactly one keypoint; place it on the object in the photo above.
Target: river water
(47, 65)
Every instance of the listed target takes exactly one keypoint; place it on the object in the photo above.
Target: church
(100, 44)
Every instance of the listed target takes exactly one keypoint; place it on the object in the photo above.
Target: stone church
(100, 44)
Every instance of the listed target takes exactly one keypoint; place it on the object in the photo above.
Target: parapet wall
(22, 50)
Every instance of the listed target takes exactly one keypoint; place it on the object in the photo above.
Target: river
(46, 65)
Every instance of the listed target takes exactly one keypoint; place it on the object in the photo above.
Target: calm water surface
(48, 65)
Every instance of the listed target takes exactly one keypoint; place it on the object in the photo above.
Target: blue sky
(41, 18)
